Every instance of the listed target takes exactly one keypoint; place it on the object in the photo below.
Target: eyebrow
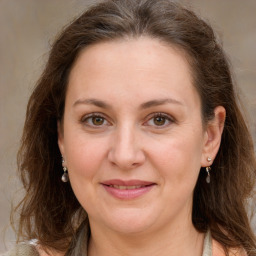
(95, 102)
(148, 104)
(153, 103)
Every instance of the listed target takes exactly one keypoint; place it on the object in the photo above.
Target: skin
(148, 127)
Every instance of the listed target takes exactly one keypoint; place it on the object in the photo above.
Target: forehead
(137, 64)
(135, 50)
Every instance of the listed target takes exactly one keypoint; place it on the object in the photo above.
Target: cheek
(179, 157)
(84, 157)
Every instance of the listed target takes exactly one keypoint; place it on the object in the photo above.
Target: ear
(61, 138)
(213, 135)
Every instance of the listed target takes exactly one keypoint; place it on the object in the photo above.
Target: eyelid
(168, 117)
(160, 114)
(94, 114)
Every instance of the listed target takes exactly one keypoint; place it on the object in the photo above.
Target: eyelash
(167, 118)
(85, 119)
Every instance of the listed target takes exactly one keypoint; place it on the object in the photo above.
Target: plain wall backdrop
(27, 28)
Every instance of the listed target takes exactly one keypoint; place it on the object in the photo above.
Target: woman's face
(132, 135)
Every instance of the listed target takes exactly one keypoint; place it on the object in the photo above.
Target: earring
(209, 159)
(64, 177)
(208, 178)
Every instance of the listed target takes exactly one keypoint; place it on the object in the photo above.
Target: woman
(134, 143)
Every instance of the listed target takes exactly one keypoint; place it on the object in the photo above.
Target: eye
(95, 120)
(159, 120)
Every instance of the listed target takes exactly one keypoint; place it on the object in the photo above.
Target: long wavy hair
(50, 211)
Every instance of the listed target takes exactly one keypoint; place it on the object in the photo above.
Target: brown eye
(159, 120)
(97, 120)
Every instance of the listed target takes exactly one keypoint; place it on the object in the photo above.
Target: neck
(182, 240)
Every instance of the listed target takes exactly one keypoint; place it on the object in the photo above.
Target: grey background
(27, 27)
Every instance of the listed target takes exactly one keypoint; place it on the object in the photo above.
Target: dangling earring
(208, 178)
(64, 177)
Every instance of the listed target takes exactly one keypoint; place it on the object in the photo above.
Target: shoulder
(27, 249)
(217, 250)
(22, 250)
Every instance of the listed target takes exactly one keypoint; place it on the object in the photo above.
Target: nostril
(125, 153)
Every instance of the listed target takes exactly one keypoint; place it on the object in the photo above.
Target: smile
(126, 187)
(127, 190)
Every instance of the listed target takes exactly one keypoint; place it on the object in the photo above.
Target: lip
(142, 187)
(127, 182)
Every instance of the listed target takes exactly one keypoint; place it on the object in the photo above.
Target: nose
(126, 150)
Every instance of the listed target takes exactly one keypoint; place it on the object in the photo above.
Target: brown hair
(50, 211)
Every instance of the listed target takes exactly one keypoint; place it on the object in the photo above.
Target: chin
(130, 227)
(131, 221)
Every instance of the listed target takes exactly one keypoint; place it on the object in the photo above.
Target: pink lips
(127, 189)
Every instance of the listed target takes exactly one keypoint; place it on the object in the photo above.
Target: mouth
(127, 189)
